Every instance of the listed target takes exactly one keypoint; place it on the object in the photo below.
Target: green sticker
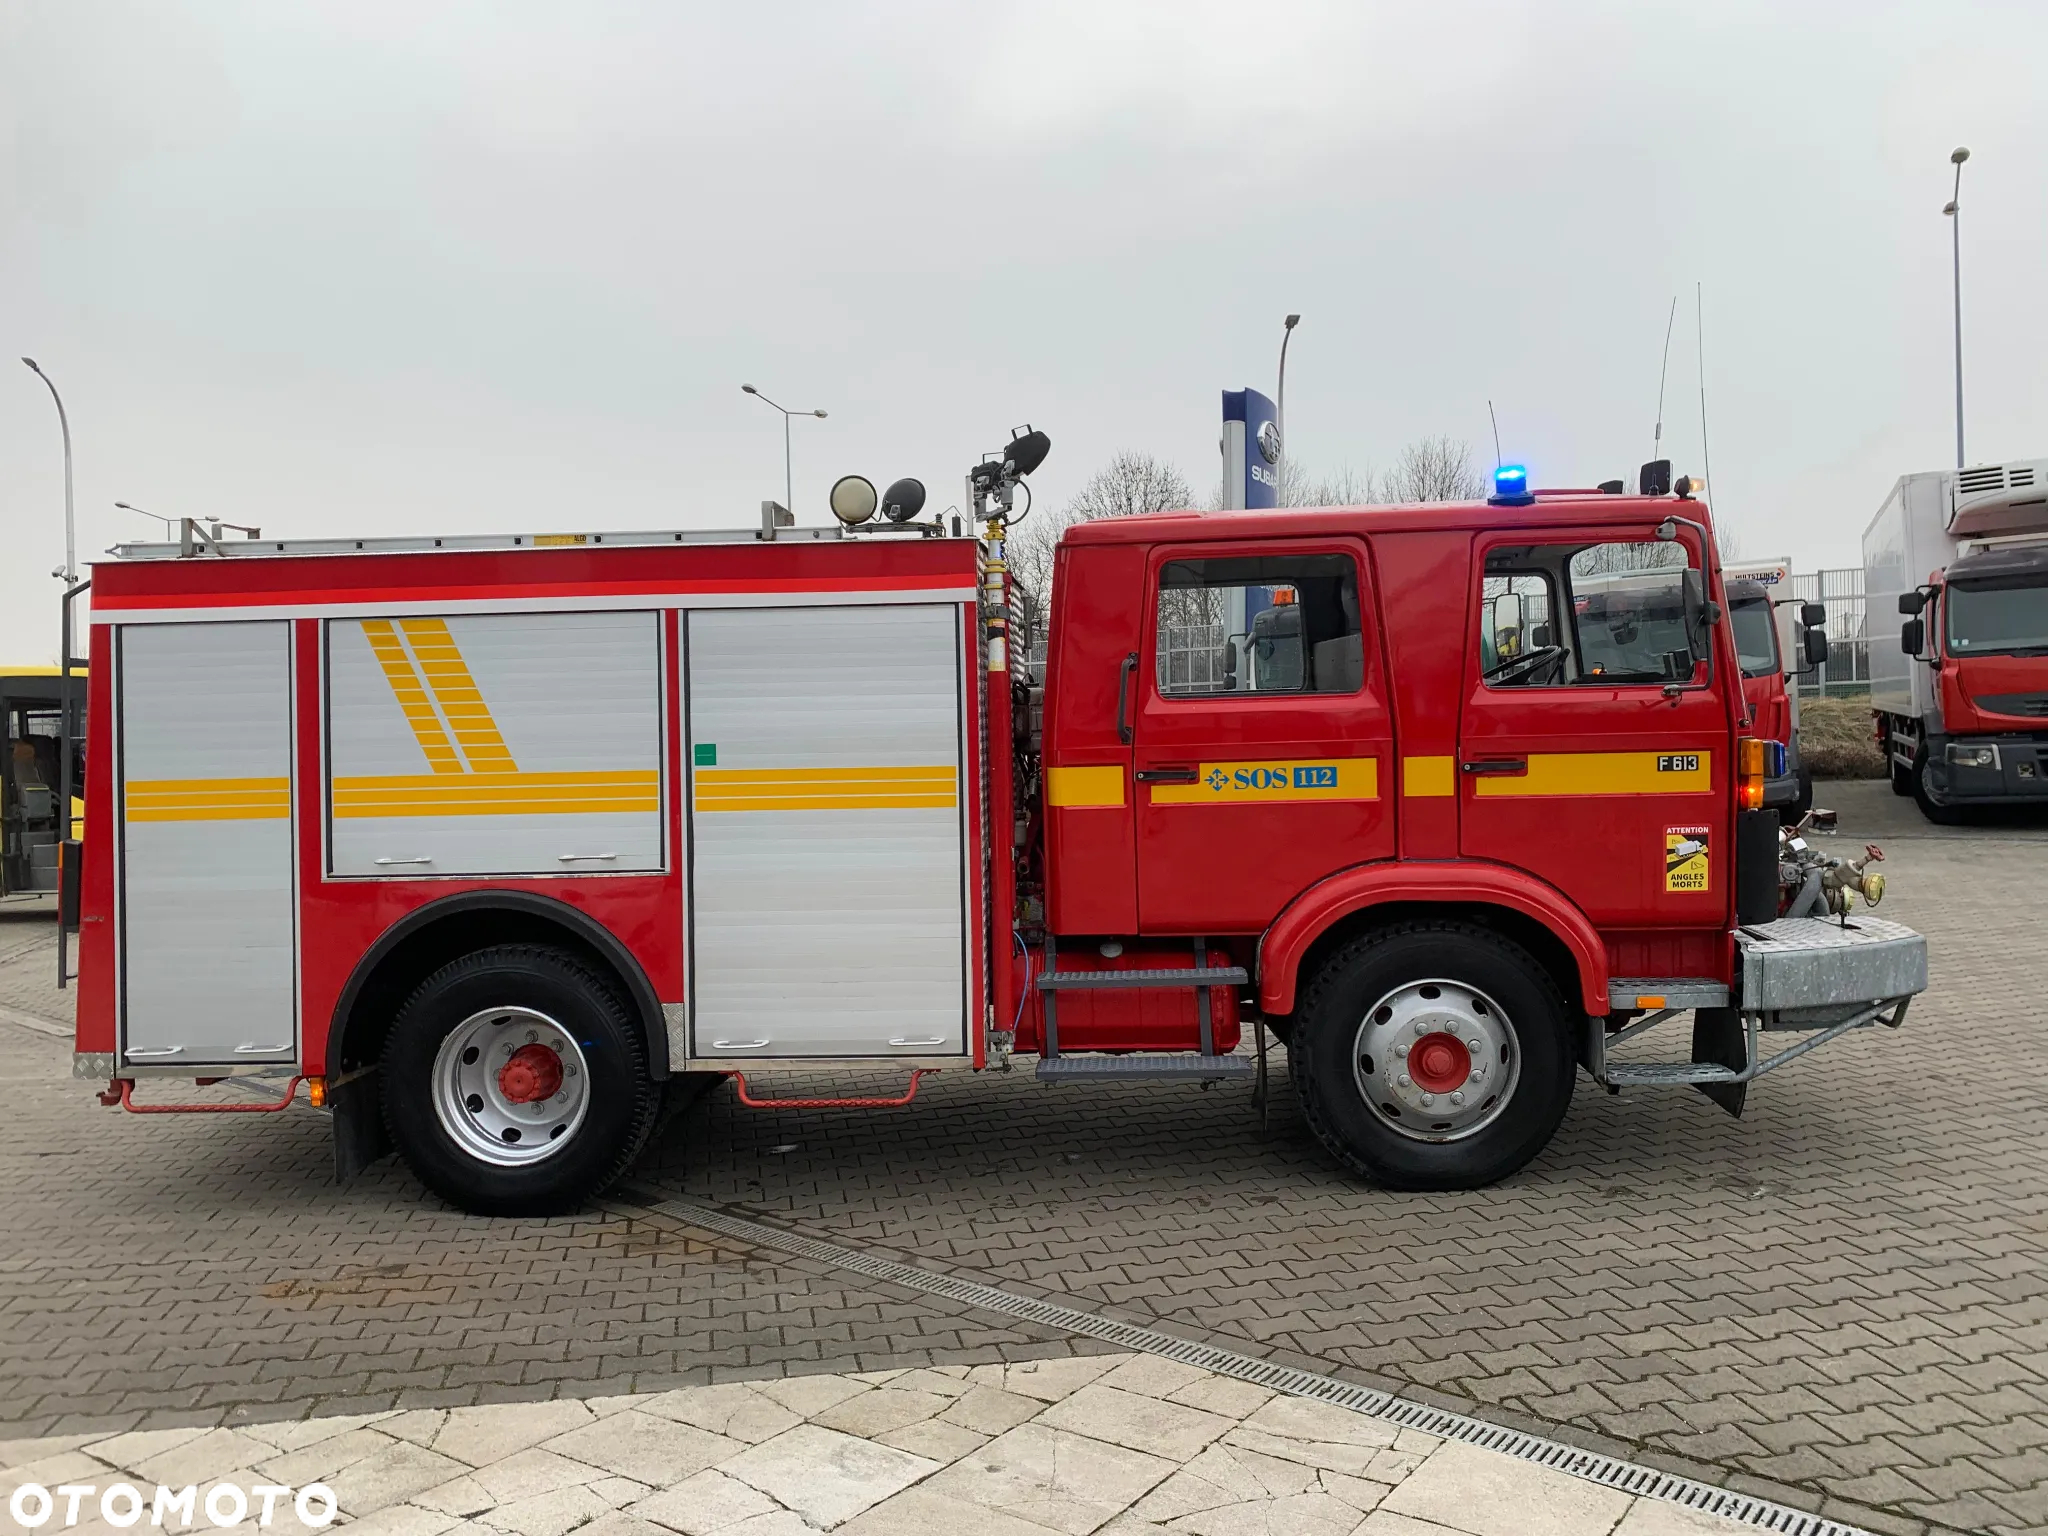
(707, 754)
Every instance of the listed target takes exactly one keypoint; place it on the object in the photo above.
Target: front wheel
(515, 1083)
(1432, 1056)
(1934, 805)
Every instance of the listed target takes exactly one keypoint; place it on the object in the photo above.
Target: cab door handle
(1123, 698)
(1497, 765)
(1169, 775)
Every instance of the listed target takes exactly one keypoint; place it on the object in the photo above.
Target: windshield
(1756, 636)
(1632, 627)
(1997, 620)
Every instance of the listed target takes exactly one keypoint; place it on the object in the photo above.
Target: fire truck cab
(488, 839)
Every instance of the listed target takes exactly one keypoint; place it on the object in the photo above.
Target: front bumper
(1799, 970)
(1823, 976)
(2016, 775)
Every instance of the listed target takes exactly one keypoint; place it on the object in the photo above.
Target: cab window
(1259, 624)
(1597, 615)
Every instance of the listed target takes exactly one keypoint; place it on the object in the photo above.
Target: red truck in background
(493, 840)
(1961, 707)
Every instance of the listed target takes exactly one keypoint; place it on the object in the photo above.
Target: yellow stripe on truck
(206, 799)
(1084, 788)
(497, 794)
(1603, 773)
(919, 787)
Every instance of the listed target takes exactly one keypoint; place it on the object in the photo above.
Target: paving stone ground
(1128, 1445)
(1841, 1301)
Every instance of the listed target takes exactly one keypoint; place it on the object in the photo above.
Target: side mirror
(1912, 602)
(1700, 615)
(1230, 662)
(1913, 636)
(1813, 615)
(1816, 646)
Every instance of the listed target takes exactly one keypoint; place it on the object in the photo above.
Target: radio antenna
(1657, 442)
(1496, 433)
(1700, 346)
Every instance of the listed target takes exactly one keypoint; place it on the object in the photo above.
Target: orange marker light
(316, 1092)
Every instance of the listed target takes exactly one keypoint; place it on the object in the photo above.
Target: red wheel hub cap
(1438, 1063)
(535, 1073)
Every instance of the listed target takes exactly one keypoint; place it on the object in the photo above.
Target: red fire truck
(492, 841)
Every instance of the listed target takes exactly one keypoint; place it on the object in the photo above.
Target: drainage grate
(1624, 1476)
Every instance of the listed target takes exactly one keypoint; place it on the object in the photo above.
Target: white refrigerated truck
(1961, 703)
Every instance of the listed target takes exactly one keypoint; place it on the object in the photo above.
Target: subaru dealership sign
(1251, 450)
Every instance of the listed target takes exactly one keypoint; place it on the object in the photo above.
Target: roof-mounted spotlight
(1026, 451)
(1510, 487)
(853, 499)
(903, 500)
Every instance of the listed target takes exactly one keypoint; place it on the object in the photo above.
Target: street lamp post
(1955, 226)
(1280, 406)
(70, 572)
(788, 495)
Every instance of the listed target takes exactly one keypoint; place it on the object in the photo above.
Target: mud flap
(360, 1138)
(1718, 1040)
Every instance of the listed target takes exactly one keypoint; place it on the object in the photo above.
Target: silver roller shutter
(827, 888)
(208, 906)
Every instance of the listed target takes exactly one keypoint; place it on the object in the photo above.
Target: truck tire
(1789, 814)
(516, 1084)
(1470, 1007)
(1936, 810)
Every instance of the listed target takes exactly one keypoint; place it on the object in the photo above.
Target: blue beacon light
(1510, 487)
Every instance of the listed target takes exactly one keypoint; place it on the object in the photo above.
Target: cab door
(1264, 744)
(1593, 751)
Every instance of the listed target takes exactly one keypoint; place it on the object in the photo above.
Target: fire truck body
(490, 838)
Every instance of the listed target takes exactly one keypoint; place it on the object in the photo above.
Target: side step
(1666, 992)
(1215, 976)
(1138, 1068)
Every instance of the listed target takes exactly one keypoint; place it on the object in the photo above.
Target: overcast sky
(376, 267)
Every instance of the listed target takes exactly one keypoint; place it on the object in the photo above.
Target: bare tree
(1129, 484)
(1433, 469)
(1346, 488)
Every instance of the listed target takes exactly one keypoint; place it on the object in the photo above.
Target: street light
(168, 522)
(69, 574)
(788, 497)
(1280, 408)
(1955, 225)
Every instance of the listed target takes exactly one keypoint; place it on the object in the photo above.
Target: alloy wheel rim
(511, 1086)
(1436, 1060)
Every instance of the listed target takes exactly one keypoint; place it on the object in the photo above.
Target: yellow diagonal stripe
(916, 787)
(456, 691)
(411, 695)
(207, 799)
(497, 794)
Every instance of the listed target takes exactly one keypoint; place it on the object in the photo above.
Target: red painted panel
(1134, 1019)
(1603, 849)
(1422, 584)
(1451, 882)
(1091, 858)
(450, 575)
(97, 996)
(1230, 867)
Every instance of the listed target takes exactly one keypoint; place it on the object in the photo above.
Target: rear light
(1756, 760)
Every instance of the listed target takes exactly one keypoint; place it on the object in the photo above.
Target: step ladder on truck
(491, 842)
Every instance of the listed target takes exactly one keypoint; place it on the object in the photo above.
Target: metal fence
(1190, 658)
(1847, 669)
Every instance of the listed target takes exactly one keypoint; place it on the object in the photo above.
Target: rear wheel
(1432, 1056)
(515, 1083)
